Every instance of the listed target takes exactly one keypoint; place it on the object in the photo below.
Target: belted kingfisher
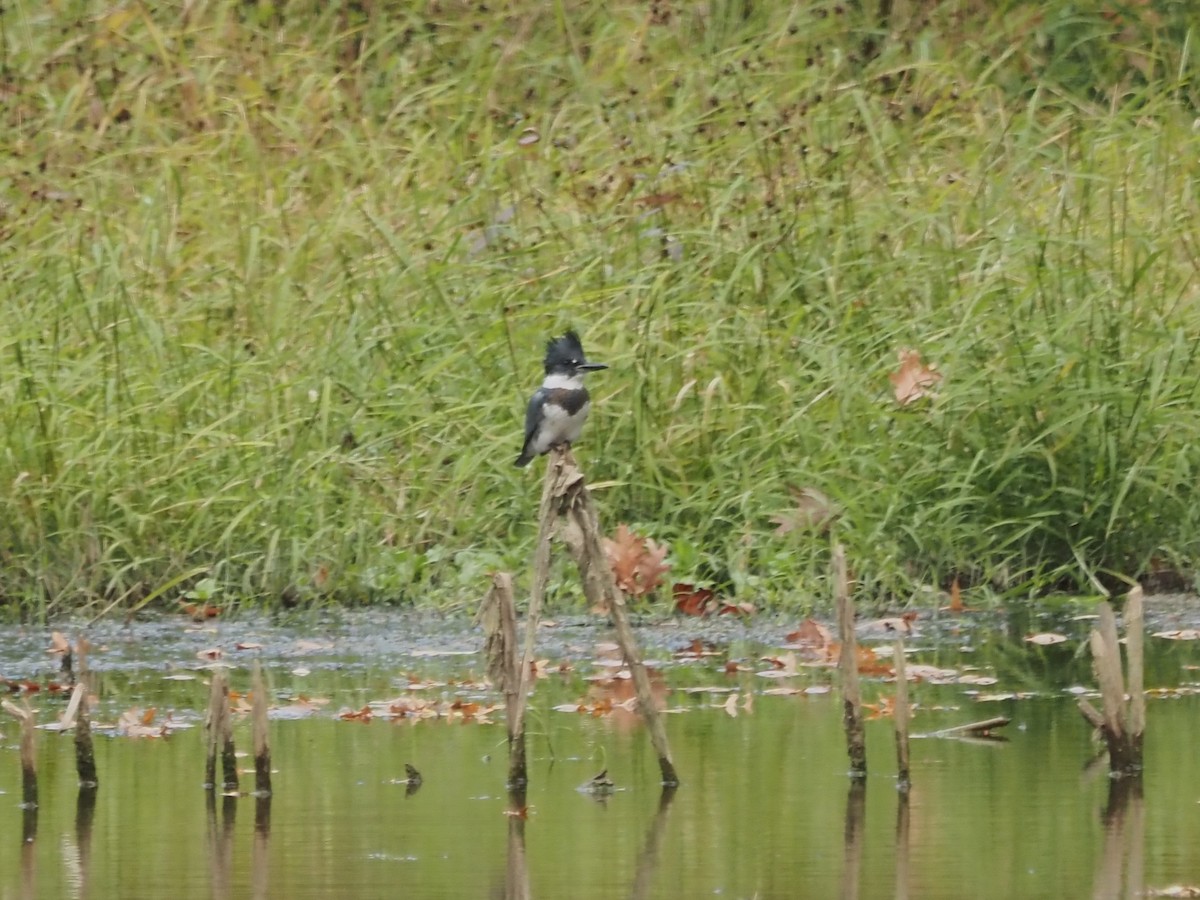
(558, 409)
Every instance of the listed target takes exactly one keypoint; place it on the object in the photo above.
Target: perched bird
(558, 409)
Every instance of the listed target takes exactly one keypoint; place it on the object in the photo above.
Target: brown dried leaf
(638, 563)
(913, 380)
(814, 511)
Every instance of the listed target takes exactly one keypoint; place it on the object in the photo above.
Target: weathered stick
(212, 727)
(219, 728)
(228, 752)
(900, 716)
(517, 771)
(261, 737)
(498, 615)
(596, 575)
(29, 789)
(848, 665)
(85, 753)
(976, 729)
(1135, 635)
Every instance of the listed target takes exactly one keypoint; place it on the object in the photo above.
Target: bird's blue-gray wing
(531, 414)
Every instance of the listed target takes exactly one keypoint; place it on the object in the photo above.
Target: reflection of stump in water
(647, 863)
(85, 814)
(516, 871)
(902, 817)
(856, 811)
(29, 825)
(260, 855)
(1124, 842)
(220, 843)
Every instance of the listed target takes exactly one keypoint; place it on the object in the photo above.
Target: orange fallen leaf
(366, 714)
(691, 600)
(812, 633)
(638, 563)
(885, 707)
(744, 608)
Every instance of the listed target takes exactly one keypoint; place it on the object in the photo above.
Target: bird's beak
(592, 367)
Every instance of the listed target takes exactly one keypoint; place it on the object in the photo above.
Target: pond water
(765, 809)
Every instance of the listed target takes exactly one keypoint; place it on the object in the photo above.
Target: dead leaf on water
(1045, 638)
(1182, 634)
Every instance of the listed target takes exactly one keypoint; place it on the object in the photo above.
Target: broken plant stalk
(29, 788)
(261, 736)
(1123, 720)
(219, 728)
(901, 716)
(852, 718)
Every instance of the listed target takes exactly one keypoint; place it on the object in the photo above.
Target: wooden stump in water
(29, 787)
(499, 619)
(219, 728)
(261, 737)
(900, 716)
(1123, 720)
(852, 721)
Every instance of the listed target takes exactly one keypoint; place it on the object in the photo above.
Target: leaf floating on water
(1045, 638)
(210, 653)
(1182, 634)
(811, 635)
(932, 674)
(981, 680)
(137, 723)
(1174, 890)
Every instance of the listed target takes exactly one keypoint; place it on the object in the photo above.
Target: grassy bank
(277, 280)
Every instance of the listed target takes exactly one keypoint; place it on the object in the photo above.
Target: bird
(558, 409)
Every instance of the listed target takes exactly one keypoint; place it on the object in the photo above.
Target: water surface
(765, 811)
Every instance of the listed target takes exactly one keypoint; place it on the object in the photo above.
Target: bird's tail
(522, 460)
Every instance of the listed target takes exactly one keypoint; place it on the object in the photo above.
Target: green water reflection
(765, 811)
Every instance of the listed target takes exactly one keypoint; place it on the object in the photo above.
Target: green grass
(277, 278)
